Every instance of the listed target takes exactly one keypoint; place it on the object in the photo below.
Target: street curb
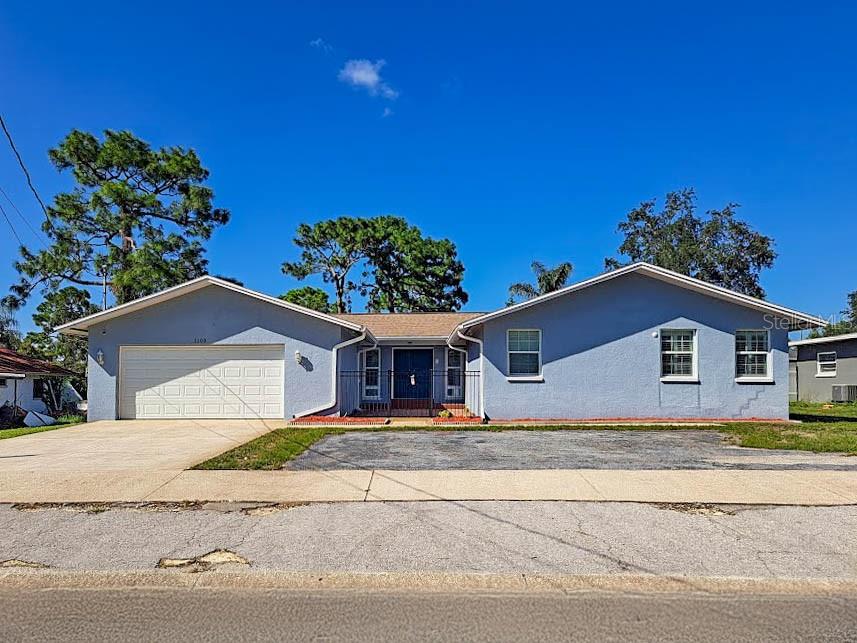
(437, 582)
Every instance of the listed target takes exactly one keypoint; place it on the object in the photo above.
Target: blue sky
(520, 131)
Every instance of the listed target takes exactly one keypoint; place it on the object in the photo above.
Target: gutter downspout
(335, 374)
(468, 338)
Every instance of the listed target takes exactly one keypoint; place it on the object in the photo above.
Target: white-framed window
(524, 348)
(372, 373)
(826, 364)
(678, 354)
(454, 374)
(752, 355)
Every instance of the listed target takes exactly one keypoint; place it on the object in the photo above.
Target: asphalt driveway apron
(574, 449)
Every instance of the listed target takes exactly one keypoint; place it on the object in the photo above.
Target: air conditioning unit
(845, 393)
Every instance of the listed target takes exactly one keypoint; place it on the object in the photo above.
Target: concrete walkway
(677, 486)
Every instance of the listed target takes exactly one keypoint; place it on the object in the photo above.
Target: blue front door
(412, 373)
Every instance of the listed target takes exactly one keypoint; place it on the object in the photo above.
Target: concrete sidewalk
(677, 486)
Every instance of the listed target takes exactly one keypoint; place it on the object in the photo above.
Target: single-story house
(637, 342)
(23, 381)
(823, 369)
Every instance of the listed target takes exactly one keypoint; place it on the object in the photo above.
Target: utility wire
(39, 236)
(14, 232)
(24, 168)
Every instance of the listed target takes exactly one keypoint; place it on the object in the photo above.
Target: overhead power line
(11, 227)
(39, 236)
(24, 169)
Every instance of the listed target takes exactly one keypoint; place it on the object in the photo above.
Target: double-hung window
(372, 373)
(826, 364)
(752, 355)
(678, 355)
(454, 374)
(525, 353)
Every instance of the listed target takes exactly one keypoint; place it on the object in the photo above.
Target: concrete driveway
(127, 445)
(590, 449)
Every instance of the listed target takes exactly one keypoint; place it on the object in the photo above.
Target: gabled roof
(81, 326)
(415, 325)
(824, 340)
(797, 320)
(13, 363)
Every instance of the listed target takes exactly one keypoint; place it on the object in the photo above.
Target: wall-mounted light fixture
(99, 357)
(298, 357)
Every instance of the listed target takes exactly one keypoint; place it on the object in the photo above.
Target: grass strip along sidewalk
(823, 430)
(62, 423)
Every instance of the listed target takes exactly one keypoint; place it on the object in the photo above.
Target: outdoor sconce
(99, 357)
(298, 357)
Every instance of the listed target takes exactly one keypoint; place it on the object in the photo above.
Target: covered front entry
(158, 382)
(412, 368)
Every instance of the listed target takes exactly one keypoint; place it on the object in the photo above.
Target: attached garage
(201, 382)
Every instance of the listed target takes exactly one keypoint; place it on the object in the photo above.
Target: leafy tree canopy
(402, 270)
(59, 307)
(847, 323)
(310, 297)
(717, 248)
(135, 219)
(547, 280)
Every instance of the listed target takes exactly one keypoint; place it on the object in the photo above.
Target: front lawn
(63, 423)
(816, 412)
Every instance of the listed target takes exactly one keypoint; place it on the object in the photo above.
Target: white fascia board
(824, 340)
(81, 326)
(797, 319)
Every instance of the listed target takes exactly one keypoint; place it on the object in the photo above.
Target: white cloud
(387, 112)
(321, 43)
(367, 75)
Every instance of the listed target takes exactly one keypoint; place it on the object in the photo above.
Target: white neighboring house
(22, 381)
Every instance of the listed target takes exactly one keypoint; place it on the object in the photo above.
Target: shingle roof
(15, 363)
(409, 324)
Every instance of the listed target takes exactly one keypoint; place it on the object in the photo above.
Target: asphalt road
(450, 537)
(262, 615)
(590, 449)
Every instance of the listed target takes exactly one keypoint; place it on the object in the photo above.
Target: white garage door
(201, 382)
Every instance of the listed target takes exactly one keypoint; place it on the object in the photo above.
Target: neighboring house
(638, 342)
(822, 369)
(23, 378)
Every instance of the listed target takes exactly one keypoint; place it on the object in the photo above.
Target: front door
(412, 373)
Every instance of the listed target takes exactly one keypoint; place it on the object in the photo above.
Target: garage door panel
(202, 382)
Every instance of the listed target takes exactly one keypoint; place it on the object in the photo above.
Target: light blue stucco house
(637, 342)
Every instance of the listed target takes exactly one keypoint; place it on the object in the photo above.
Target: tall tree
(409, 272)
(134, 223)
(547, 280)
(717, 248)
(9, 335)
(332, 249)
(847, 323)
(59, 307)
(402, 270)
(310, 297)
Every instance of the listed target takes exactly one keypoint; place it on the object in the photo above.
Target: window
(3, 382)
(752, 355)
(678, 354)
(38, 389)
(525, 352)
(372, 373)
(826, 363)
(454, 374)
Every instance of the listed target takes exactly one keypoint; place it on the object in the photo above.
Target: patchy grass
(817, 412)
(65, 422)
(820, 437)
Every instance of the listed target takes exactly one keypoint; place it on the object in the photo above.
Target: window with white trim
(525, 352)
(826, 363)
(372, 373)
(454, 374)
(752, 354)
(678, 354)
